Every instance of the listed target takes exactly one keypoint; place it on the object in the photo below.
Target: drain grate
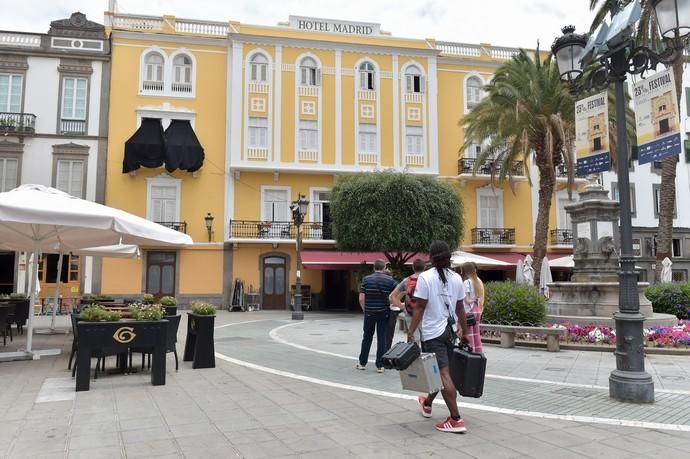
(574, 392)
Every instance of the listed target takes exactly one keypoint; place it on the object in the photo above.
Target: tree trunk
(541, 230)
(667, 190)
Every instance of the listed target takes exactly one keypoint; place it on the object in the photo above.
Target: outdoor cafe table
(117, 337)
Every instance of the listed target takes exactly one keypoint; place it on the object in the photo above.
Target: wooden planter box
(198, 347)
(118, 337)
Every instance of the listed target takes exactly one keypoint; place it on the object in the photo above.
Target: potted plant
(147, 298)
(170, 305)
(199, 346)
(100, 329)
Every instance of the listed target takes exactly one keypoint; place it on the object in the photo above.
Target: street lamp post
(299, 210)
(629, 382)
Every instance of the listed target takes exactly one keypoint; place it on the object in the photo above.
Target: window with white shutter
(310, 74)
(182, 69)
(10, 93)
(74, 98)
(8, 174)
(473, 92)
(153, 67)
(488, 217)
(163, 203)
(367, 142)
(414, 80)
(275, 204)
(414, 136)
(258, 68)
(258, 132)
(70, 177)
(308, 135)
(366, 76)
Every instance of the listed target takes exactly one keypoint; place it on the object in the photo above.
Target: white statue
(528, 270)
(666, 273)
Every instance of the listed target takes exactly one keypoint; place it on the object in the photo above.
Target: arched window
(310, 74)
(153, 71)
(414, 80)
(258, 68)
(473, 92)
(366, 76)
(182, 69)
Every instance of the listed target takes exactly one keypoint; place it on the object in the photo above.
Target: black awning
(183, 148)
(146, 147)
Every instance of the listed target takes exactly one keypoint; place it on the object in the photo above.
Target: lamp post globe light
(613, 54)
(299, 210)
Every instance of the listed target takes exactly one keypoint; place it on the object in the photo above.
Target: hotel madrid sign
(334, 26)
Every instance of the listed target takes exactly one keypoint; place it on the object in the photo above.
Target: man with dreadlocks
(440, 296)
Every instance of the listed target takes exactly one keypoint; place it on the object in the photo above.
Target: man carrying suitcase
(440, 294)
(373, 299)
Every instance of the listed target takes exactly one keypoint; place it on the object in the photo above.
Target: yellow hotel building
(283, 110)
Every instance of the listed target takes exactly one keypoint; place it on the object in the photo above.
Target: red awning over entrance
(330, 259)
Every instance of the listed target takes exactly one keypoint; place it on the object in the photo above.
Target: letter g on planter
(199, 348)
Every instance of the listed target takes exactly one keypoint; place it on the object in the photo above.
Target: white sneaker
(360, 367)
(379, 370)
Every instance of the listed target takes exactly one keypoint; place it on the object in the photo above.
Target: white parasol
(458, 258)
(35, 218)
(545, 277)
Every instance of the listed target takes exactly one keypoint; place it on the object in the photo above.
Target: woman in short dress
(474, 303)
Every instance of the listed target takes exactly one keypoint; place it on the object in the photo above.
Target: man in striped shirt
(373, 299)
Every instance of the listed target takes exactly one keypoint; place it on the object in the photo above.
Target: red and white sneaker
(451, 425)
(426, 410)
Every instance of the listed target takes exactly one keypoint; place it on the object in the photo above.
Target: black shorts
(442, 347)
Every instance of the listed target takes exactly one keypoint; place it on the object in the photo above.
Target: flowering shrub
(670, 299)
(513, 304)
(675, 336)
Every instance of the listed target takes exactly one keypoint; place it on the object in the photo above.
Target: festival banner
(592, 135)
(656, 117)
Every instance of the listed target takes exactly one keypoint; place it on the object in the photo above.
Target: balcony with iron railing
(177, 226)
(561, 237)
(17, 123)
(255, 229)
(72, 126)
(493, 236)
(466, 167)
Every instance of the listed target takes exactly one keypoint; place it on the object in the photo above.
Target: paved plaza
(289, 389)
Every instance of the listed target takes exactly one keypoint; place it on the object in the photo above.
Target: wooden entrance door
(160, 274)
(273, 282)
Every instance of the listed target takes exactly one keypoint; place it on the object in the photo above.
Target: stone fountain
(591, 297)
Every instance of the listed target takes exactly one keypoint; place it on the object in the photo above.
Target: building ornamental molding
(75, 66)
(71, 149)
(12, 63)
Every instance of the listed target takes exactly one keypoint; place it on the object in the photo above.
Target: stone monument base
(594, 303)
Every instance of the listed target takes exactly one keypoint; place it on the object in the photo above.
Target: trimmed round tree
(394, 213)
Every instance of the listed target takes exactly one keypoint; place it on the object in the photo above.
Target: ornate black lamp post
(299, 210)
(612, 56)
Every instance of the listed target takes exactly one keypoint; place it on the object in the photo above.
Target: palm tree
(527, 111)
(647, 34)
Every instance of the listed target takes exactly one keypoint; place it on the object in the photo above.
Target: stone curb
(590, 347)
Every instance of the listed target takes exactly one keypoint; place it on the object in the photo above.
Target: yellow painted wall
(201, 271)
(122, 276)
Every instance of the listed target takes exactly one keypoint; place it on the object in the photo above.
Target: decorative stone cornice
(77, 26)
(75, 66)
(11, 147)
(13, 63)
(71, 149)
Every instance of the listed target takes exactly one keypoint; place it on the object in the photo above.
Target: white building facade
(53, 130)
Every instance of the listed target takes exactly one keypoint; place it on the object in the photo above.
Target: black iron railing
(493, 236)
(561, 237)
(17, 123)
(254, 229)
(177, 226)
(466, 166)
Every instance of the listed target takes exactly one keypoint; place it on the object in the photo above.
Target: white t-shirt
(469, 288)
(429, 287)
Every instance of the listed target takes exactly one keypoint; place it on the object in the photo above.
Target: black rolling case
(467, 370)
(401, 356)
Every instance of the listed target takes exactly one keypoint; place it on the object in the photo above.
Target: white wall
(41, 92)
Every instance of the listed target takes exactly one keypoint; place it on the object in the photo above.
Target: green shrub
(168, 301)
(144, 312)
(4, 296)
(148, 297)
(18, 296)
(89, 296)
(670, 299)
(97, 313)
(203, 309)
(513, 304)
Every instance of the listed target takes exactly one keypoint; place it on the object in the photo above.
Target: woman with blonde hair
(474, 304)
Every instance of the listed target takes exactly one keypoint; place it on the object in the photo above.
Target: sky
(513, 23)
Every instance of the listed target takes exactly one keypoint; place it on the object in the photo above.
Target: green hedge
(670, 299)
(513, 304)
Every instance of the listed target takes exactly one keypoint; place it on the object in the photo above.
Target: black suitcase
(467, 370)
(401, 356)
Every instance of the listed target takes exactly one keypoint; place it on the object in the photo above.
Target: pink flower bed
(675, 336)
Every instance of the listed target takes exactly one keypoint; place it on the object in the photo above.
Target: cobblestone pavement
(272, 399)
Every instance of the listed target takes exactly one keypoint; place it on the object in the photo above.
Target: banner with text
(656, 117)
(592, 135)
